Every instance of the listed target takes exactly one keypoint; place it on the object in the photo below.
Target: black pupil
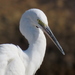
(37, 26)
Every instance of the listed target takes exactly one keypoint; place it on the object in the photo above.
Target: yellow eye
(41, 23)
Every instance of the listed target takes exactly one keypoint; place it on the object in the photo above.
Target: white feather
(14, 61)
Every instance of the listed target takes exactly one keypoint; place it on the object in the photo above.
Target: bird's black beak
(48, 31)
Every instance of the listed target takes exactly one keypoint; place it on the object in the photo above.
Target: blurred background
(61, 17)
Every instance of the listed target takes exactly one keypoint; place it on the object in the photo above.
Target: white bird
(14, 61)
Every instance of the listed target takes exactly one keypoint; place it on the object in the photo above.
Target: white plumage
(13, 61)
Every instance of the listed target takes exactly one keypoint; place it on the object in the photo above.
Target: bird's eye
(37, 27)
(41, 23)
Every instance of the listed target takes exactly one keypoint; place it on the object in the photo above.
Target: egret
(14, 61)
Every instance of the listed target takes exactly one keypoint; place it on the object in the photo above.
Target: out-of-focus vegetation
(61, 17)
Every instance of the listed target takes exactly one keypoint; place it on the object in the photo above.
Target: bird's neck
(37, 45)
(36, 50)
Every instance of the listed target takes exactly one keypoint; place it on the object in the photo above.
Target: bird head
(39, 20)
